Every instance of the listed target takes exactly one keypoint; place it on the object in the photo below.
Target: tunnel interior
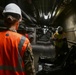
(42, 15)
(39, 19)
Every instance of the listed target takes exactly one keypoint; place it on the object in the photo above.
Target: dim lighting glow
(53, 13)
(45, 16)
(49, 14)
(58, 13)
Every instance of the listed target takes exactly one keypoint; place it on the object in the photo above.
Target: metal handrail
(72, 42)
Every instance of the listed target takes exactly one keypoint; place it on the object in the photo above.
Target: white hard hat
(60, 29)
(12, 8)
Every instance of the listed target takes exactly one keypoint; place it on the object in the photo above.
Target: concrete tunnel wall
(70, 27)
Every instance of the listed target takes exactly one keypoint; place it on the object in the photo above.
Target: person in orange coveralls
(16, 56)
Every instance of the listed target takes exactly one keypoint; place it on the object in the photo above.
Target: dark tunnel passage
(40, 20)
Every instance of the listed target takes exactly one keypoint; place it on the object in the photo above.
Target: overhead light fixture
(49, 14)
(45, 16)
(54, 12)
(58, 12)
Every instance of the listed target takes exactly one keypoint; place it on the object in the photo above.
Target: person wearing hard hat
(16, 56)
(22, 30)
(60, 41)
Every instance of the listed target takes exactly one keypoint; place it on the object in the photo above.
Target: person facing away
(16, 56)
(22, 30)
(60, 41)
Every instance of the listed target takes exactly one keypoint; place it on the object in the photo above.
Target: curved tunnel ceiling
(46, 11)
(40, 12)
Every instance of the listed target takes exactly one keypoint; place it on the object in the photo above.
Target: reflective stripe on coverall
(12, 48)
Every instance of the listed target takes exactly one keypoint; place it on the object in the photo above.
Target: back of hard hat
(12, 8)
(60, 29)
